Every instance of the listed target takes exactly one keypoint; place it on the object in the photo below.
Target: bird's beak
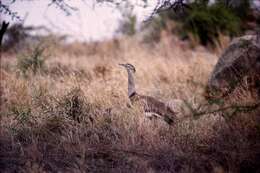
(122, 65)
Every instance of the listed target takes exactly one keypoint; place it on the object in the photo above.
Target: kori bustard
(151, 106)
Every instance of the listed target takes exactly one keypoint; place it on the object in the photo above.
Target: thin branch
(6, 10)
(236, 108)
(63, 6)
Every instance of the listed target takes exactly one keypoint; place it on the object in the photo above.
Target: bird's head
(128, 67)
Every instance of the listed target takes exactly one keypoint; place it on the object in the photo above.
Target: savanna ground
(69, 112)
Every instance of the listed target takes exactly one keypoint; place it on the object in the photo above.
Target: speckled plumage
(149, 104)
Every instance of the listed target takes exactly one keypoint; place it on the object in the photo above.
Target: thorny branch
(6, 10)
(61, 4)
(160, 6)
(65, 7)
(164, 5)
(233, 108)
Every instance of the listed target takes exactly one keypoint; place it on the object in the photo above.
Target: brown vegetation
(72, 115)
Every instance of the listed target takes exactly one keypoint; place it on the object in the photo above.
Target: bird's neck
(131, 84)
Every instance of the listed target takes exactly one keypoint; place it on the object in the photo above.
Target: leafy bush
(206, 22)
(32, 62)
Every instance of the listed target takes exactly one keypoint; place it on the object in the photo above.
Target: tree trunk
(2, 31)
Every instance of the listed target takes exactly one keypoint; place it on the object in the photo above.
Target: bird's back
(152, 105)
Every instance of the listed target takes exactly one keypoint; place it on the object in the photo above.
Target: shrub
(206, 22)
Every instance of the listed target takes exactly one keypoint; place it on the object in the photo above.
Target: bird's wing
(159, 109)
(154, 105)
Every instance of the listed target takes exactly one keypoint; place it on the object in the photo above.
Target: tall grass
(74, 117)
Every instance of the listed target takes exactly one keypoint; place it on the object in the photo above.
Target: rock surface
(240, 62)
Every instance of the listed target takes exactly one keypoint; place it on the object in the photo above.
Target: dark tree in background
(239, 5)
(17, 32)
(205, 22)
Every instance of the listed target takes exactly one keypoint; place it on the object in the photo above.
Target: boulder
(239, 63)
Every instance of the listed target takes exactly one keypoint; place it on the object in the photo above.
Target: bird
(151, 106)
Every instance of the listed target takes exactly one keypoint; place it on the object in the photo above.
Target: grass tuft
(75, 117)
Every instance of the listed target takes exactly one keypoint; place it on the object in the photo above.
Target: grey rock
(241, 60)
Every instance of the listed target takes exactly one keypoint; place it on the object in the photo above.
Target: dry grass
(73, 117)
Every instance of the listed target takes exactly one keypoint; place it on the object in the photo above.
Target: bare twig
(63, 6)
(6, 10)
(235, 108)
